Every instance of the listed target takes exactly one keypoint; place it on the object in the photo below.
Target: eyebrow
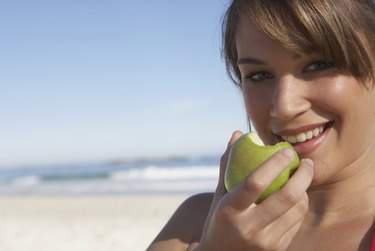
(250, 61)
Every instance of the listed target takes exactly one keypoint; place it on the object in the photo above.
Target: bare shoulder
(186, 224)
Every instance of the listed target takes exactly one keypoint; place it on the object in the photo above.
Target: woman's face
(327, 116)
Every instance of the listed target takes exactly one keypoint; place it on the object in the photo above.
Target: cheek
(257, 102)
(339, 98)
(353, 107)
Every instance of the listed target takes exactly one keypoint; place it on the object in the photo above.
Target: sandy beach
(80, 223)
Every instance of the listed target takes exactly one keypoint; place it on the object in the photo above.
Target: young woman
(303, 66)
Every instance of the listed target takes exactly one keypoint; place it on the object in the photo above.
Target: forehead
(252, 41)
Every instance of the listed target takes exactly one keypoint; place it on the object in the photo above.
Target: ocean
(175, 175)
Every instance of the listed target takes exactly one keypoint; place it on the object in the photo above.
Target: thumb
(220, 189)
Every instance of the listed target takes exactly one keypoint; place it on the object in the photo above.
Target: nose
(290, 99)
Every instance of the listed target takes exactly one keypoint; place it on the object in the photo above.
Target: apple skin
(245, 156)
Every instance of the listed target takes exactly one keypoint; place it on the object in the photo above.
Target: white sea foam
(166, 173)
(26, 181)
(172, 177)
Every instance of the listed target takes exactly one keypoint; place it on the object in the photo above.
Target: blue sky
(90, 80)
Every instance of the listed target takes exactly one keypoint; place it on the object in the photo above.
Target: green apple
(247, 154)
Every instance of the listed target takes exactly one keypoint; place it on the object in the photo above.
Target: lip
(298, 130)
(305, 148)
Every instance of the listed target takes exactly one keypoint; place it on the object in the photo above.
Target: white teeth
(303, 136)
(316, 132)
(309, 135)
(291, 139)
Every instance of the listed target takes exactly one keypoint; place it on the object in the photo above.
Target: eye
(258, 76)
(318, 65)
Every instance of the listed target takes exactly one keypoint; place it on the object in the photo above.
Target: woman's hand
(235, 222)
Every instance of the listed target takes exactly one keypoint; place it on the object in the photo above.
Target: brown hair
(342, 30)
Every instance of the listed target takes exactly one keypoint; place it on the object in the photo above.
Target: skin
(329, 203)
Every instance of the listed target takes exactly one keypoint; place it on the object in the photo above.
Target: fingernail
(309, 162)
(234, 136)
(288, 152)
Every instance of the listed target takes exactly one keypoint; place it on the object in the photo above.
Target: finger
(223, 161)
(282, 231)
(287, 238)
(289, 195)
(247, 192)
(269, 239)
(220, 189)
(287, 221)
(224, 158)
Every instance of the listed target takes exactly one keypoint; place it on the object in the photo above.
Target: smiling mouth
(305, 136)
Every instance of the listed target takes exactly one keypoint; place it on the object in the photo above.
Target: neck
(345, 199)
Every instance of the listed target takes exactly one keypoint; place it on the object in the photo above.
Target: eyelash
(319, 63)
(259, 76)
(252, 76)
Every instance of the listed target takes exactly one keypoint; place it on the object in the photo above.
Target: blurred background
(113, 97)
